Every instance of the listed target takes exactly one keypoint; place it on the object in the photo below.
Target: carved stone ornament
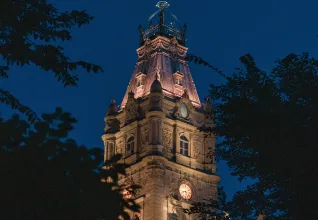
(173, 47)
(144, 139)
(197, 146)
(131, 108)
(148, 47)
(185, 100)
(167, 141)
(120, 146)
(161, 43)
(112, 125)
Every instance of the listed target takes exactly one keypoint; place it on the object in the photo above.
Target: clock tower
(161, 127)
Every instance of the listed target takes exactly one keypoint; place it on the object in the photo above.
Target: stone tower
(162, 128)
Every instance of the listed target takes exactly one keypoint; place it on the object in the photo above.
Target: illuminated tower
(161, 127)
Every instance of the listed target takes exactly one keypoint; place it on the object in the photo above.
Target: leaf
(9, 100)
(200, 61)
(3, 70)
(260, 135)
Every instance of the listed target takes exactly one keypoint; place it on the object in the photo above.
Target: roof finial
(162, 5)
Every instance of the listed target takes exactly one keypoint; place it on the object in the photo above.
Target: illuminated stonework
(162, 132)
(163, 57)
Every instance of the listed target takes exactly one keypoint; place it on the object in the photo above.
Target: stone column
(155, 200)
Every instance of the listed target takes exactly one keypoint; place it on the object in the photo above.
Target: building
(162, 128)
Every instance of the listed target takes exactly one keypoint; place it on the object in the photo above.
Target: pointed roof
(168, 69)
(156, 85)
(112, 109)
(161, 57)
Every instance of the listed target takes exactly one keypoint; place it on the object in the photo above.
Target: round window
(184, 110)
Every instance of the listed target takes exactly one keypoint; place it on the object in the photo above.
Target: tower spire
(161, 131)
(162, 5)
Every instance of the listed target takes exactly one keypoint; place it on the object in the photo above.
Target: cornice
(174, 167)
(161, 44)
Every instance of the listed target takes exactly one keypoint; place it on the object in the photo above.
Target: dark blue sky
(218, 31)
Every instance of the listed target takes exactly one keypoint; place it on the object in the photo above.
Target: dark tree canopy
(268, 128)
(47, 175)
(210, 209)
(31, 32)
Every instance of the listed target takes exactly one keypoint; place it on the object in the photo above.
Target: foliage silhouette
(47, 175)
(200, 61)
(30, 33)
(210, 209)
(268, 124)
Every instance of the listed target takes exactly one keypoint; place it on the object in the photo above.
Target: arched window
(173, 216)
(184, 146)
(130, 145)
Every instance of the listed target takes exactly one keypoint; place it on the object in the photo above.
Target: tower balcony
(168, 25)
(163, 30)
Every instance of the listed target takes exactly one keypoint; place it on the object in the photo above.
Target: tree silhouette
(31, 32)
(210, 209)
(268, 128)
(47, 175)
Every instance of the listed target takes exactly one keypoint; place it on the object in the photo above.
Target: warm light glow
(185, 191)
(126, 194)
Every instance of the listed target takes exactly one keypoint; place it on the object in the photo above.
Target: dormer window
(178, 78)
(140, 77)
(179, 81)
(131, 146)
(140, 82)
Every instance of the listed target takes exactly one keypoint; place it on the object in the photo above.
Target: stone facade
(162, 132)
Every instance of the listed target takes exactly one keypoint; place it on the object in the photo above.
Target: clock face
(184, 110)
(185, 191)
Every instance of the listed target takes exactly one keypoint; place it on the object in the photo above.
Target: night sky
(218, 31)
